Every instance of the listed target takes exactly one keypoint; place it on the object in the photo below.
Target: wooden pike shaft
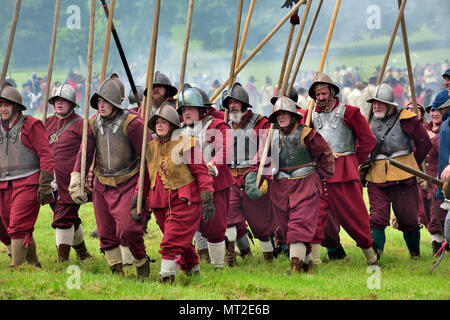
(324, 54)
(305, 45)
(87, 93)
(244, 34)
(51, 59)
(408, 60)
(282, 90)
(186, 45)
(216, 93)
(388, 51)
(107, 40)
(148, 101)
(233, 57)
(12, 33)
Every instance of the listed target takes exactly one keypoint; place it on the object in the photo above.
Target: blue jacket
(444, 149)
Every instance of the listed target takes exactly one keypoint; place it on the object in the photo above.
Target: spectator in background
(27, 95)
(266, 95)
(253, 94)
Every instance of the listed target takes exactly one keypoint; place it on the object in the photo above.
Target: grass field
(399, 278)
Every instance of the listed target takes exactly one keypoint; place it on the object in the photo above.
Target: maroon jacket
(65, 150)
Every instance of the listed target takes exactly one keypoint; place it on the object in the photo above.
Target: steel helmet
(65, 91)
(110, 91)
(11, 94)
(167, 112)
(239, 93)
(284, 104)
(384, 93)
(321, 78)
(162, 79)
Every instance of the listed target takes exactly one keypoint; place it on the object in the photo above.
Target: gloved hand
(212, 170)
(423, 183)
(45, 192)
(207, 205)
(135, 216)
(76, 190)
(251, 189)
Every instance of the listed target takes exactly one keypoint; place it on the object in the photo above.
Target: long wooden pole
(51, 59)
(12, 32)
(285, 58)
(408, 60)
(107, 40)
(87, 93)
(148, 101)
(233, 56)
(218, 91)
(282, 91)
(324, 53)
(186, 45)
(305, 45)
(388, 51)
(244, 35)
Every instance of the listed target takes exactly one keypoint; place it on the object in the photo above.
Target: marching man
(349, 136)
(64, 131)
(116, 137)
(303, 158)
(26, 173)
(245, 127)
(200, 123)
(387, 184)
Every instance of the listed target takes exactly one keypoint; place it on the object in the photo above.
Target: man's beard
(379, 115)
(236, 117)
(158, 100)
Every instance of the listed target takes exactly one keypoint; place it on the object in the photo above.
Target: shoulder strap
(55, 136)
(383, 137)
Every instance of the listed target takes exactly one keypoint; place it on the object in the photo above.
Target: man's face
(104, 108)
(235, 107)
(436, 117)
(379, 109)
(283, 119)
(323, 97)
(7, 111)
(159, 92)
(190, 114)
(62, 106)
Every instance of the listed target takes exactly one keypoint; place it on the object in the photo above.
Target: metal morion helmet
(190, 97)
(167, 112)
(65, 91)
(162, 79)
(322, 78)
(239, 93)
(11, 94)
(384, 93)
(132, 98)
(205, 98)
(284, 104)
(110, 91)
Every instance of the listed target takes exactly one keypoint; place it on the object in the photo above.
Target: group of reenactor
(201, 172)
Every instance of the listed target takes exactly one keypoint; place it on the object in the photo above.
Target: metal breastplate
(16, 161)
(244, 145)
(333, 129)
(397, 143)
(115, 154)
(198, 131)
(293, 160)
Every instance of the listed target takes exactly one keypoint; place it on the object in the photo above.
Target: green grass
(401, 278)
